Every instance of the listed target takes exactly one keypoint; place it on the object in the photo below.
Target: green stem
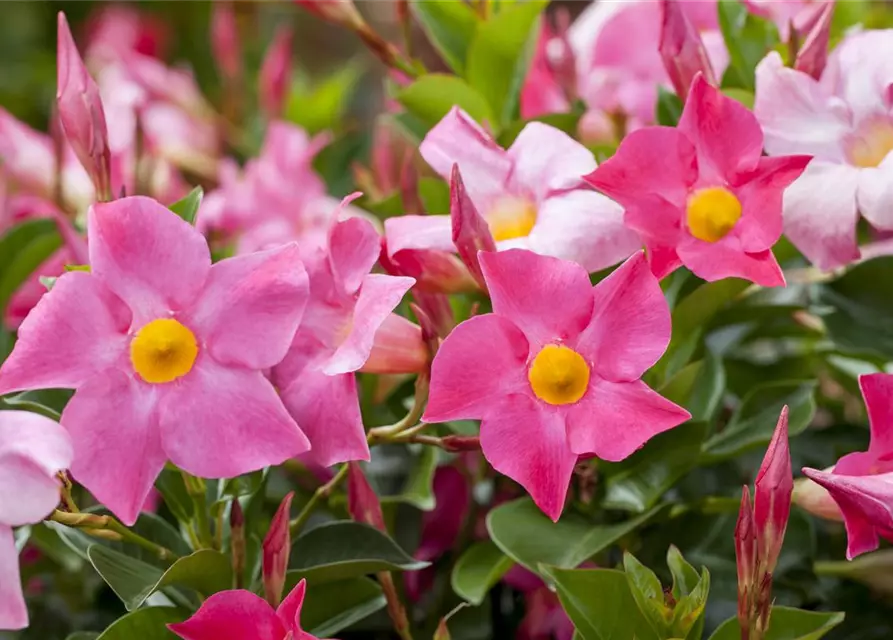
(91, 522)
(195, 487)
(411, 419)
(322, 492)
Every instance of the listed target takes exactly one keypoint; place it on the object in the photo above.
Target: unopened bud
(745, 555)
(461, 443)
(681, 49)
(340, 12)
(362, 501)
(276, 549)
(237, 541)
(772, 496)
(815, 35)
(225, 40)
(814, 498)
(275, 74)
(471, 234)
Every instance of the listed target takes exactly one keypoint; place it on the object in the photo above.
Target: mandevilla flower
(166, 353)
(242, 614)
(32, 450)
(862, 483)
(701, 194)
(276, 550)
(553, 372)
(681, 48)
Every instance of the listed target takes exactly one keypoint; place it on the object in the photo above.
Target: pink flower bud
(80, 110)
(225, 40)
(275, 74)
(341, 12)
(277, 546)
(745, 556)
(470, 231)
(398, 347)
(362, 502)
(814, 498)
(437, 308)
(772, 496)
(682, 49)
(815, 34)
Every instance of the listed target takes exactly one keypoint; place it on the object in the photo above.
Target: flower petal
(615, 419)
(528, 444)
(354, 247)
(727, 259)
(74, 331)
(117, 448)
(379, 296)
(458, 139)
(545, 159)
(480, 362)
(13, 611)
(547, 298)
(146, 254)
(875, 194)
(232, 615)
(221, 422)
(289, 612)
(877, 390)
(584, 227)
(249, 310)
(630, 326)
(419, 232)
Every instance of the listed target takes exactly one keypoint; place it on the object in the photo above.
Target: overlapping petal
(13, 611)
(546, 159)
(232, 615)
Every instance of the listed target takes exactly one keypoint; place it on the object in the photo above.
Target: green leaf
(753, 423)
(685, 576)
(187, 208)
(83, 635)
(418, 489)
(688, 614)
(244, 485)
(786, 623)
(205, 571)
(432, 96)
(479, 568)
(435, 195)
(648, 593)
(500, 55)
(567, 122)
(145, 624)
(22, 250)
(669, 107)
(339, 550)
(321, 106)
(172, 488)
(748, 38)
(330, 607)
(599, 603)
(637, 483)
(527, 535)
(709, 386)
(450, 26)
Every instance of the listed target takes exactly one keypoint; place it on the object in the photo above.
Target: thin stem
(195, 487)
(65, 492)
(94, 524)
(322, 492)
(411, 419)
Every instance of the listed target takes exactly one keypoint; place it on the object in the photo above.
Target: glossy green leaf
(435, 195)
(320, 106)
(648, 593)
(145, 624)
(418, 489)
(753, 423)
(172, 489)
(708, 390)
(669, 107)
(339, 550)
(187, 208)
(330, 607)
(500, 55)
(432, 96)
(527, 535)
(599, 603)
(22, 250)
(478, 569)
(748, 38)
(244, 485)
(450, 26)
(685, 576)
(786, 623)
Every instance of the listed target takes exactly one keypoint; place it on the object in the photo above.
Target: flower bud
(398, 347)
(275, 74)
(814, 498)
(815, 34)
(682, 49)
(772, 496)
(81, 113)
(276, 549)
(340, 12)
(470, 231)
(237, 541)
(745, 556)
(362, 502)
(457, 444)
(436, 307)
(225, 40)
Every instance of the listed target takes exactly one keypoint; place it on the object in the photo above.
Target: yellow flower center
(511, 217)
(712, 212)
(558, 375)
(872, 144)
(163, 351)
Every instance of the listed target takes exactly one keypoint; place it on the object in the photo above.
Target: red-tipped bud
(438, 309)
(813, 54)
(81, 113)
(340, 12)
(457, 444)
(237, 541)
(772, 496)
(442, 632)
(225, 40)
(362, 502)
(277, 546)
(682, 49)
(470, 231)
(745, 556)
(275, 74)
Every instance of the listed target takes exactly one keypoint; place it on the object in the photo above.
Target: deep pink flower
(681, 48)
(32, 450)
(276, 550)
(772, 495)
(813, 53)
(555, 352)
(116, 29)
(862, 483)
(362, 502)
(348, 326)
(531, 195)
(544, 617)
(166, 353)
(701, 194)
(239, 615)
(844, 120)
(275, 74)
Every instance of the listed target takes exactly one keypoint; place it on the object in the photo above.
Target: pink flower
(225, 40)
(166, 353)
(681, 48)
(544, 617)
(813, 53)
(862, 483)
(531, 195)
(701, 194)
(32, 450)
(340, 12)
(788, 14)
(276, 550)
(117, 29)
(275, 74)
(843, 119)
(555, 352)
(242, 614)
(362, 502)
(348, 326)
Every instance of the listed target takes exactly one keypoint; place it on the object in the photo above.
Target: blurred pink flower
(701, 194)
(33, 449)
(156, 338)
(544, 617)
(225, 40)
(275, 74)
(116, 29)
(554, 352)
(843, 119)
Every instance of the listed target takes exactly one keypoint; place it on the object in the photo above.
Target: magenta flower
(554, 353)
(862, 483)
(348, 326)
(843, 119)
(166, 353)
(242, 614)
(276, 550)
(701, 194)
(531, 195)
(32, 450)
